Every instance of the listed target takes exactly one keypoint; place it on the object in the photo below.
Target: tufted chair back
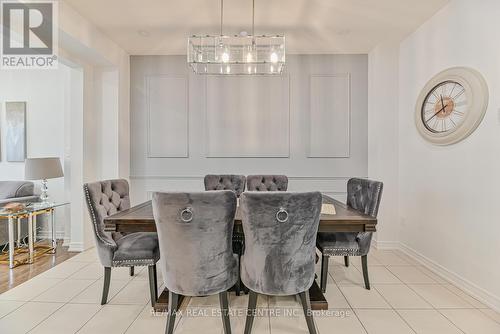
(105, 198)
(280, 241)
(194, 233)
(364, 195)
(267, 183)
(235, 183)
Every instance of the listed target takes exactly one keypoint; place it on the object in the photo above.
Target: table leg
(318, 300)
(162, 302)
(30, 238)
(18, 232)
(11, 242)
(34, 228)
(53, 230)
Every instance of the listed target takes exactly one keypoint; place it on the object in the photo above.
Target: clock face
(451, 105)
(445, 107)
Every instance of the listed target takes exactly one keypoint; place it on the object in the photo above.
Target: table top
(142, 214)
(31, 208)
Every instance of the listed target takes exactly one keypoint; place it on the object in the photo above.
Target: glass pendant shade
(236, 55)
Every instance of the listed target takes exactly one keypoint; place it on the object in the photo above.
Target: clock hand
(442, 102)
(427, 121)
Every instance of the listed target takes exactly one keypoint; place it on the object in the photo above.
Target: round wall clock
(451, 105)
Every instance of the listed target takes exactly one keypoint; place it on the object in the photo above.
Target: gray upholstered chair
(195, 231)
(105, 198)
(364, 196)
(267, 183)
(280, 246)
(235, 183)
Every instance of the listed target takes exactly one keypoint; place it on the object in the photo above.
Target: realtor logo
(29, 34)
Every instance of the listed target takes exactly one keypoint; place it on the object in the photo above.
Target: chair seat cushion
(339, 244)
(137, 249)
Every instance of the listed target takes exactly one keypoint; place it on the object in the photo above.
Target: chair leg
(346, 261)
(131, 271)
(173, 300)
(105, 288)
(224, 307)
(364, 264)
(306, 305)
(252, 304)
(153, 284)
(324, 272)
(237, 286)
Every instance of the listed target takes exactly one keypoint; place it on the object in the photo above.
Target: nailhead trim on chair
(341, 252)
(94, 219)
(128, 263)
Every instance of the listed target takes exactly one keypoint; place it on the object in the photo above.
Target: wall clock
(451, 105)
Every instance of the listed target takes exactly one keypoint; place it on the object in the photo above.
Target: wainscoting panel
(142, 187)
(329, 114)
(248, 125)
(167, 116)
(247, 117)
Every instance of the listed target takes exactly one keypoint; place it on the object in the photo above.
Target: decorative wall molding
(256, 141)
(336, 122)
(327, 175)
(169, 136)
(200, 177)
(142, 186)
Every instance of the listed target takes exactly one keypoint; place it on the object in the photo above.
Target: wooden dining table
(140, 218)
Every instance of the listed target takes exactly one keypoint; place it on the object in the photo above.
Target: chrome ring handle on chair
(279, 216)
(187, 215)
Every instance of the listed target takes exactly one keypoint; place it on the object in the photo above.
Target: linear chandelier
(241, 54)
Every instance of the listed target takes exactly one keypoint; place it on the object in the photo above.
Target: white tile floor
(405, 298)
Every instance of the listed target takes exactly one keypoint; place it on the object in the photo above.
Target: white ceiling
(155, 27)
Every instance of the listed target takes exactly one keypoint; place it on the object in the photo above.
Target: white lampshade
(42, 168)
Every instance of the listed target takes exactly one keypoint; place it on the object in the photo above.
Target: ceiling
(159, 27)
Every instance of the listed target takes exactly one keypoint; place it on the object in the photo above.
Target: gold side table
(30, 212)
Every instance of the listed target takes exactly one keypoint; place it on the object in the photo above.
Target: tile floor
(405, 298)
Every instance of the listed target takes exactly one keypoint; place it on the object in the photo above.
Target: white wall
(254, 125)
(44, 92)
(383, 119)
(100, 112)
(448, 196)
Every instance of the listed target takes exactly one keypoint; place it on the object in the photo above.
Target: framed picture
(15, 137)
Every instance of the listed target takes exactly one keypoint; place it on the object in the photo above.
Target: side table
(30, 212)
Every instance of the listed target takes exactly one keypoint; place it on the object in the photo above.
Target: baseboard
(46, 234)
(76, 247)
(477, 292)
(385, 244)
(66, 241)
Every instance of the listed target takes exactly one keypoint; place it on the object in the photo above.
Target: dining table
(335, 217)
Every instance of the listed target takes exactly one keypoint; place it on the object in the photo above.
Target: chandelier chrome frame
(237, 55)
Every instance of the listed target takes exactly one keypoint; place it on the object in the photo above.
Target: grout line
(48, 316)
(394, 310)
(337, 285)
(444, 315)
(348, 303)
(15, 309)
(407, 285)
(137, 317)
(433, 307)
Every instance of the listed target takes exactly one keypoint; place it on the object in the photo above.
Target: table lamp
(43, 169)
